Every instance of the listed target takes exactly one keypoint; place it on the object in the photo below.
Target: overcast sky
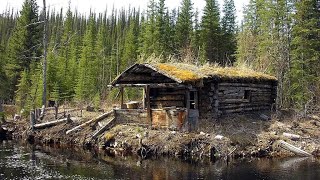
(100, 5)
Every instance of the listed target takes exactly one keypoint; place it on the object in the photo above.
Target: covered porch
(166, 101)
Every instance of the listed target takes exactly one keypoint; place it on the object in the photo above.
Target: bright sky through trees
(84, 6)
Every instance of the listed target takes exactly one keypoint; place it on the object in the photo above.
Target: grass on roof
(182, 74)
(187, 72)
(235, 72)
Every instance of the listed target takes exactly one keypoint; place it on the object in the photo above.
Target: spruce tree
(211, 33)
(306, 54)
(87, 77)
(24, 44)
(228, 30)
(184, 26)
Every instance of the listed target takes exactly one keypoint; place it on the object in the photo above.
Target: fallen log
(102, 116)
(291, 136)
(104, 128)
(292, 148)
(51, 123)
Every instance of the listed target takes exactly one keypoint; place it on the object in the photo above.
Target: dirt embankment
(236, 136)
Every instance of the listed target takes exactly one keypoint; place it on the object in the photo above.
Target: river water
(23, 161)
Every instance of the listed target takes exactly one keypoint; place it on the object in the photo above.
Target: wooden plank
(169, 97)
(103, 129)
(96, 119)
(162, 104)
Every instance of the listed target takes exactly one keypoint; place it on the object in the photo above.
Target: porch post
(144, 97)
(121, 97)
(149, 118)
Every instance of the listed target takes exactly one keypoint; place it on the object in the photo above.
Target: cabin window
(247, 95)
(193, 100)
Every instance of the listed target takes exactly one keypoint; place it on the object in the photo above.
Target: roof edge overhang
(115, 81)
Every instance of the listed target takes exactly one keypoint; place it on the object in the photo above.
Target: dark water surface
(19, 161)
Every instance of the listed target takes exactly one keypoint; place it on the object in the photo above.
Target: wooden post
(144, 98)
(1, 112)
(149, 118)
(32, 120)
(121, 98)
(56, 111)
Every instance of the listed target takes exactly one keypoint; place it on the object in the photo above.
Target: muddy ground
(233, 136)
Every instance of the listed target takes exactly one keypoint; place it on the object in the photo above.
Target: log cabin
(180, 96)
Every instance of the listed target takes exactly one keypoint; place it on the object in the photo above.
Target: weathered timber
(102, 116)
(233, 106)
(292, 148)
(229, 84)
(51, 123)
(245, 109)
(291, 136)
(103, 128)
(169, 98)
(216, 101)
(234, 100)
(153, 85)
(149, 117)
(162, 104)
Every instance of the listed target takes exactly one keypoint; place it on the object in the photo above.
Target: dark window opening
(247, 95)
(153, 93)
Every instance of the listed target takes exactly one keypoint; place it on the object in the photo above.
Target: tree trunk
(44, 56)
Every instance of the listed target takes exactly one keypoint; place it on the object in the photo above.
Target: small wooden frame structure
(181, 96)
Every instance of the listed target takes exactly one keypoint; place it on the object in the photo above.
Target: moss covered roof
(188, 73)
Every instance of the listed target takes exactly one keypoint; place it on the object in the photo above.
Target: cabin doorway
(193, 111)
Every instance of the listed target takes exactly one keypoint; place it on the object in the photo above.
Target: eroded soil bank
(233, 136)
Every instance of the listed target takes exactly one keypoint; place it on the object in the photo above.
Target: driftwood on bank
(293, 149)
(51, 123)
(291, 136)
(102, 116)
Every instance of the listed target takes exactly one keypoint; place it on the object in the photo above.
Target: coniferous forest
(86, 52)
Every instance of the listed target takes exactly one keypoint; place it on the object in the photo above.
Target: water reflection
(21, 161)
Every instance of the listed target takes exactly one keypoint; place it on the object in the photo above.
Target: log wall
(167, 97)
(221, 98)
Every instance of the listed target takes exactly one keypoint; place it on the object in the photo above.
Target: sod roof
(181, 72)
(187, 72)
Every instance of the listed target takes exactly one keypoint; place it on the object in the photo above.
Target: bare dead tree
(45, 42)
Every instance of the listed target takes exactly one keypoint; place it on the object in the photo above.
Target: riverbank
(25, 161)
(233, 136)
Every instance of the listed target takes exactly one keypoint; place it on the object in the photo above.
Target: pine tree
(211, 33)
(306, 54)
(24, 44)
